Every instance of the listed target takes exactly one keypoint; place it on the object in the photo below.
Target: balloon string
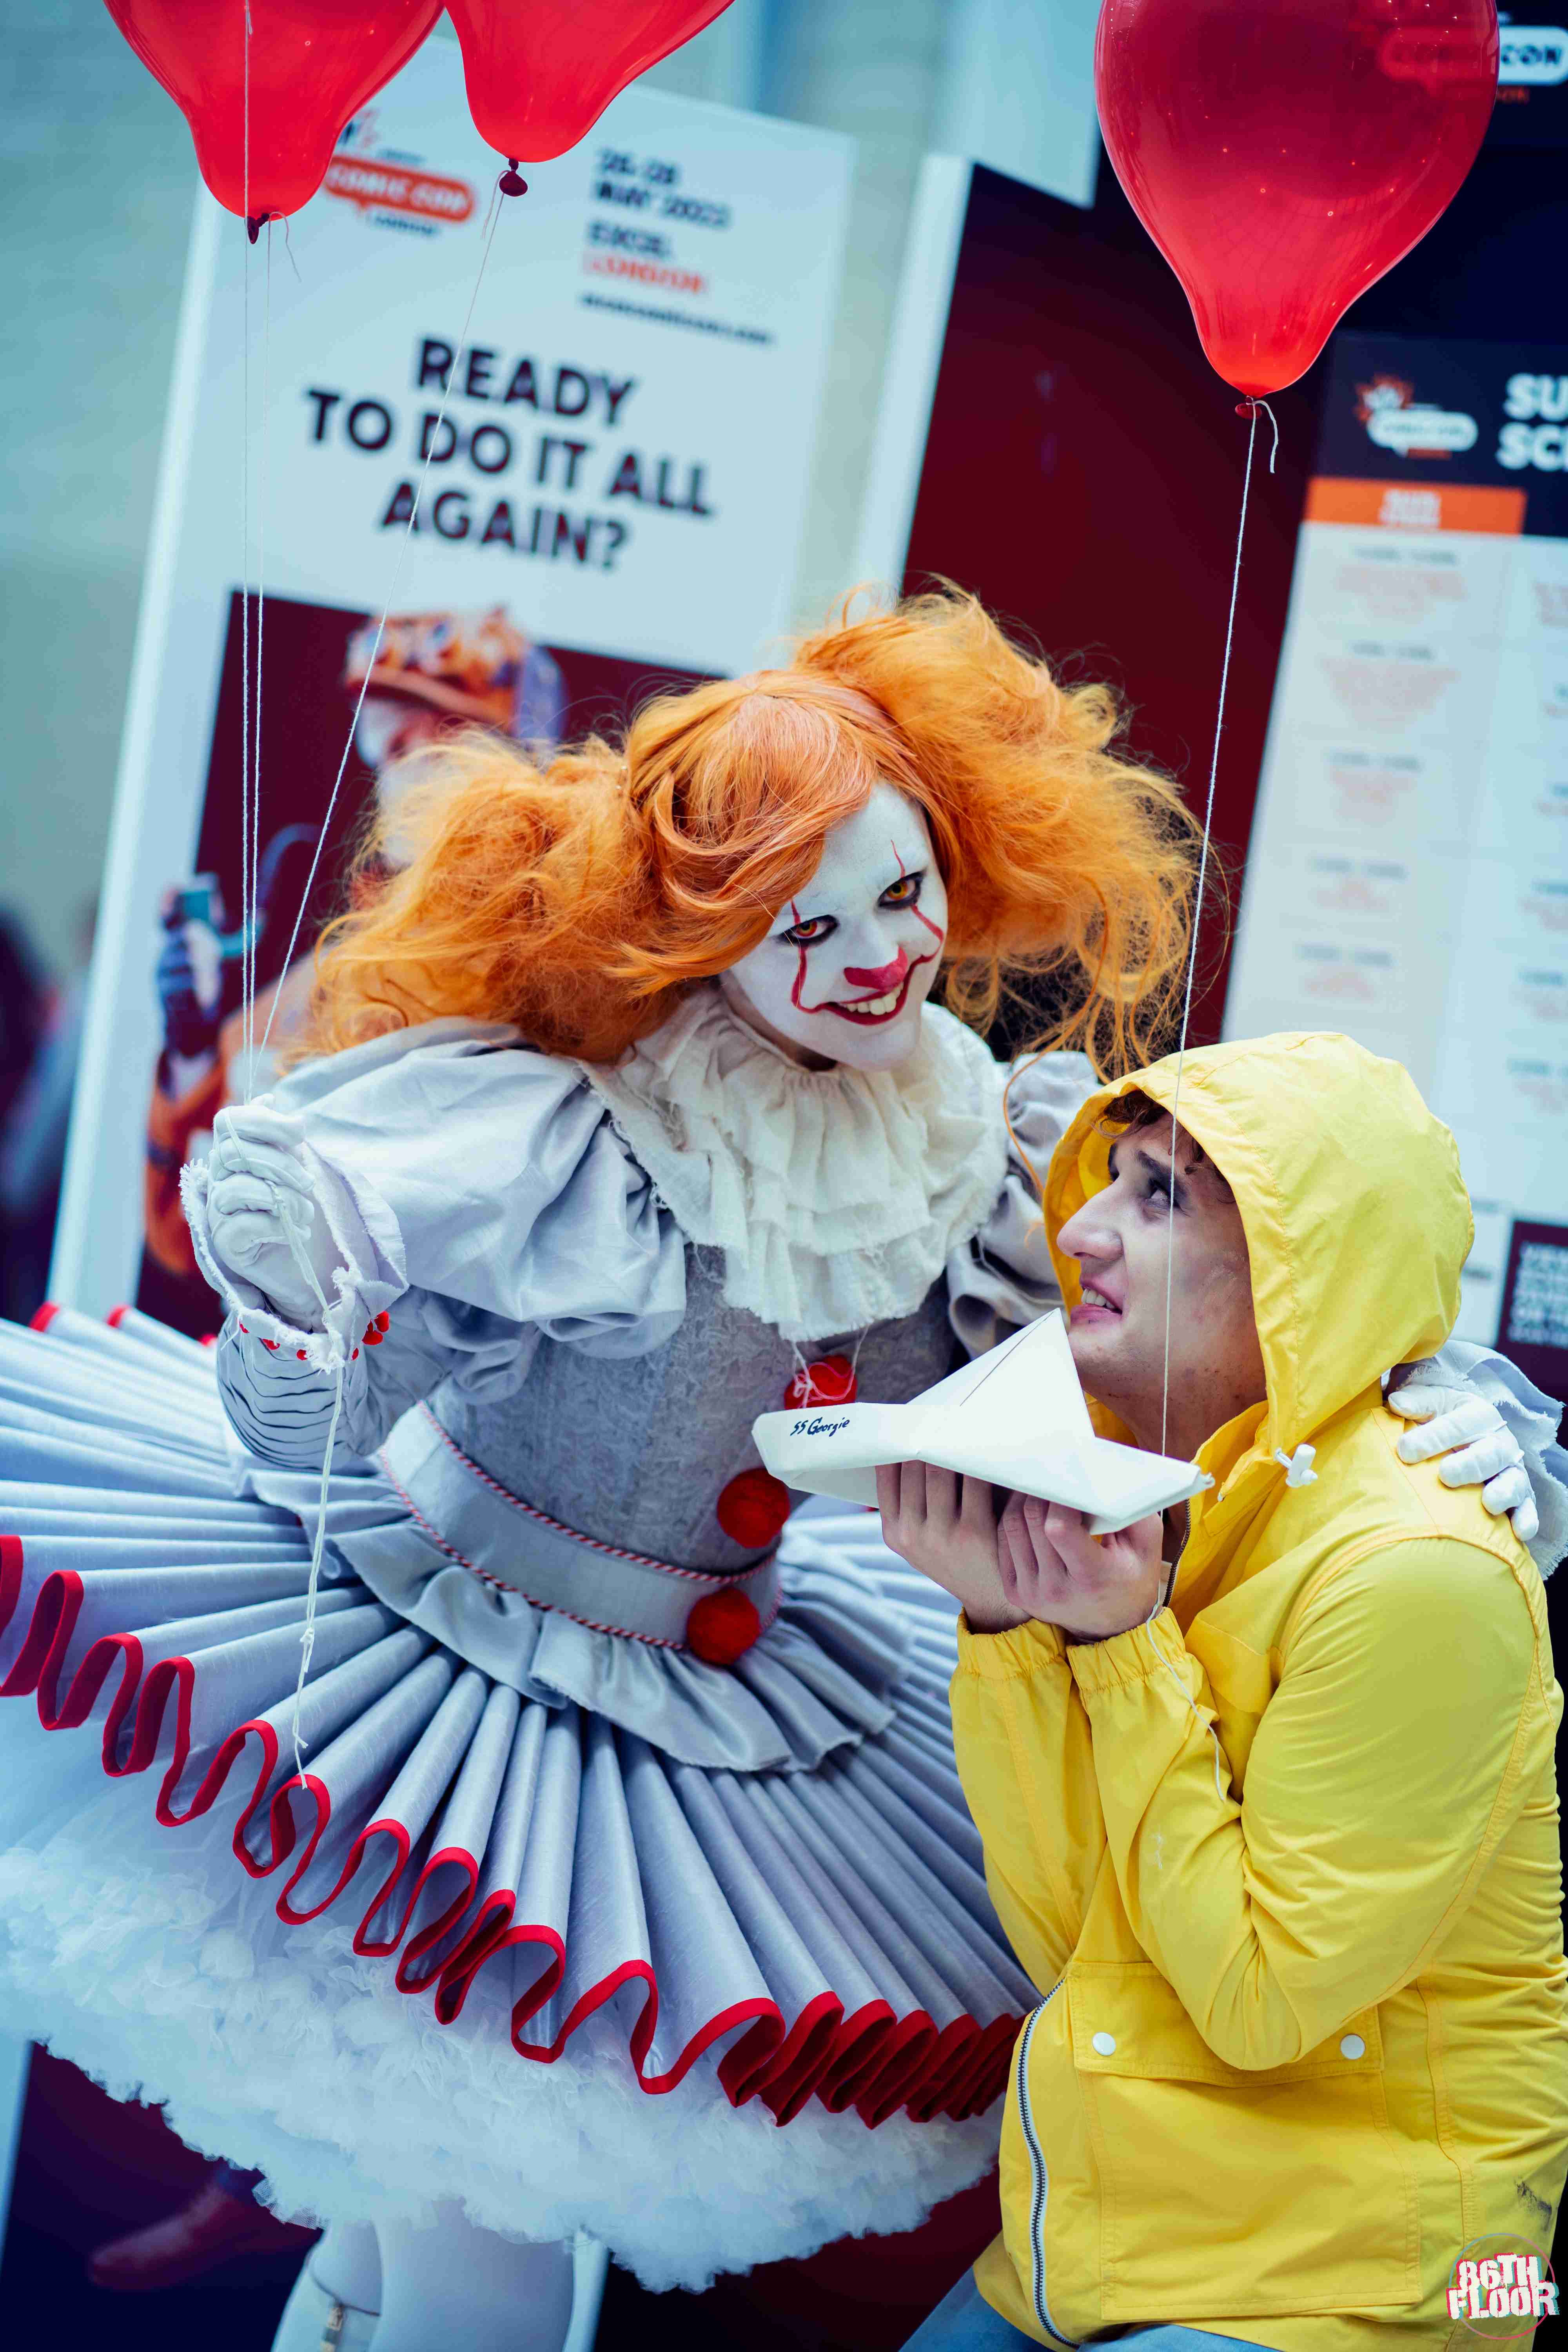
(295, 1231)
(253, 921)
(381, 625)
(1249, 408)
(296, 1240)
(1198, 906)
(1162, 1600)
(245, 826)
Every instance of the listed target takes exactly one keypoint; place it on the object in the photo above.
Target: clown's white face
(851, 958)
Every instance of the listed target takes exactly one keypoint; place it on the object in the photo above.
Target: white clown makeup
(853, 955)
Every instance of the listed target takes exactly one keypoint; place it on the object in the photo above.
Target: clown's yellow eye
(815, 927)
(904, 892)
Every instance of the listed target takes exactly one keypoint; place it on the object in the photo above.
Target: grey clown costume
(537, 1823)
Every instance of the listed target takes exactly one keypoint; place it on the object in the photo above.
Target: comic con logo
(1407, 428)
(1501, 2289)
(392, 190)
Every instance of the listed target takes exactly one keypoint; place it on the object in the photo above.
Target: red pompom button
(830, 1381)
(753, 1509)
(722, 1628)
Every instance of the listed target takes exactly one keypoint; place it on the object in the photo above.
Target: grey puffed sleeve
(479, 1198)
(1004, 1278)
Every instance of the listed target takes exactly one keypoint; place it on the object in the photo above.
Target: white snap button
(1105, 2044)
(1353, 2046)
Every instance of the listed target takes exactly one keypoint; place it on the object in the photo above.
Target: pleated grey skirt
(335, 1976)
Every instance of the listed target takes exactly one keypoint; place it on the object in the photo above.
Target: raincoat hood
(1357, 1217)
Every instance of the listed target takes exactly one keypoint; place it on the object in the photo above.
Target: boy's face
(1154, 1223)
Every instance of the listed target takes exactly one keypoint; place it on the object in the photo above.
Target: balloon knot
(1247, 408)
(511, 182)
(256, 222)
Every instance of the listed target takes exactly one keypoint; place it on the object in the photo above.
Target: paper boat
(1015, 1416)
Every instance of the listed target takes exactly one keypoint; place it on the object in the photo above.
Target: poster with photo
(1408, 875)
(596, 405)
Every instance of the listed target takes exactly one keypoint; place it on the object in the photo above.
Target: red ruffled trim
(871, 2060)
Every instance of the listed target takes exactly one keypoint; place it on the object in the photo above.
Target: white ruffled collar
(834, 1195)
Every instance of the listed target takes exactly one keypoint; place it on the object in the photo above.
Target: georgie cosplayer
(1272, 1826)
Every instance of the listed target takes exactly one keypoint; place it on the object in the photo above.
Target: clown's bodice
(641, 1452)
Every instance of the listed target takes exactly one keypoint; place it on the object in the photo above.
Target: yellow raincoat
(1304, 2032)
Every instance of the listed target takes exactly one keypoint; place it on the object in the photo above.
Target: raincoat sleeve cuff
(1005, 1657)
(1132, 1658)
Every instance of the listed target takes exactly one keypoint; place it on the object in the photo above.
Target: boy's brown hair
(1135, 1110)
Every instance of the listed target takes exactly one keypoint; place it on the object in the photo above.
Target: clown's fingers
(1473, 1418)
(1424, 1400)
(247, 1155)
(1509, 1492)
(246, 1238)
(1487, 1456)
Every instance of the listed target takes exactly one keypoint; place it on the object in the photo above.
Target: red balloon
(1284, 153)
(313, 63)
(541, 72)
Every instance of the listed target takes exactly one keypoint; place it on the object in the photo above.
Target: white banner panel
(620, 483)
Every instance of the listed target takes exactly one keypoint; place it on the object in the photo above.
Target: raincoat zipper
(1040, 2175)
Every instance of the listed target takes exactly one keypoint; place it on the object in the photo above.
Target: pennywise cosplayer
(628, 1828)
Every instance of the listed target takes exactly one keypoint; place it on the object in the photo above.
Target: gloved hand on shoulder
(1466, 1428)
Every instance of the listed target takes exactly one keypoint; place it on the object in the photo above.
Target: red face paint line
(800, 953)
(937, 934)
(799, 985)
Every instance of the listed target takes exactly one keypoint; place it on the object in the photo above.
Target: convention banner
(615, 461)
(1408, 875)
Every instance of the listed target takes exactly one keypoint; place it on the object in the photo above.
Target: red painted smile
(870, 1012)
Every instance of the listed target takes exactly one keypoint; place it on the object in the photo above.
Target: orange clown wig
(579, 900)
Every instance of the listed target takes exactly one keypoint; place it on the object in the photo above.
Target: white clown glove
(265, 1226)
(1480, 1449)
